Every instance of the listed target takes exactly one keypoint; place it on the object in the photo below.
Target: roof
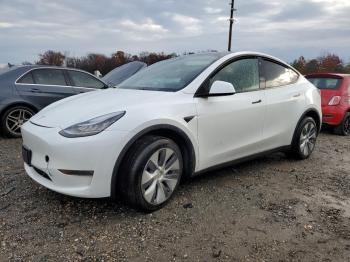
(46, 66)
(328, 75)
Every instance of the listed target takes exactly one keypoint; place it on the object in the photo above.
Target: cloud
(146, 26)
(188, 24)
(281, 27)
(212, 10)
(6, 25)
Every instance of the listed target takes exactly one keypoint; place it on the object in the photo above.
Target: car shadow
(83, 208)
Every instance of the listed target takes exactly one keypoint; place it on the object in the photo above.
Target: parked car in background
(119, 74)
(335, 93)
(25, 90)
(173, 119)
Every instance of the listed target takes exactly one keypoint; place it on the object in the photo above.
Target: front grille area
(42, 173)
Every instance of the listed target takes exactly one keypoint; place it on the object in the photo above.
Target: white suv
(174, 119)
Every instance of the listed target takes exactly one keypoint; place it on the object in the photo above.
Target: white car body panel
(224, 128)
(223, 133)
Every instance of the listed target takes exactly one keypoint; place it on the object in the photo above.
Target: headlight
(92, 126)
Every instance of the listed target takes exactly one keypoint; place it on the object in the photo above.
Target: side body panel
(229, 127)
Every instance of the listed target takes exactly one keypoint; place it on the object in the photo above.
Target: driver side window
(242, 74)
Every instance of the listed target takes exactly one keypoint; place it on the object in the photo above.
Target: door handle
(297, 95)
(35, 90)
(257, 102)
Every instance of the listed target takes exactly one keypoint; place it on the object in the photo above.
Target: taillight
(334, 101)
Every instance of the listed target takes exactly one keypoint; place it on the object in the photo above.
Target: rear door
(84, 82)
(285, 101)
(44, 86)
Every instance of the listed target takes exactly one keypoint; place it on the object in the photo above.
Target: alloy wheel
(308, 139)
(16, 118)
(160, 176)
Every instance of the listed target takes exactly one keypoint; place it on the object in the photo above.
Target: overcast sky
(283, 28)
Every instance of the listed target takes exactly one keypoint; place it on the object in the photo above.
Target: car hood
(86, 106)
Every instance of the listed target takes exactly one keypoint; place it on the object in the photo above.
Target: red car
(335, 93)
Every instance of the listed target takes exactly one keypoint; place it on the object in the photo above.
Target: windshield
(170, 75)
(119, 74)
(325, 83)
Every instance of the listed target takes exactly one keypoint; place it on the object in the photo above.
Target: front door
(230, 127)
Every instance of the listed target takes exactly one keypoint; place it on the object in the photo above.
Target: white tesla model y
(172, 120)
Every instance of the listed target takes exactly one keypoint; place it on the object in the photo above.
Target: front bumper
(52, 152)
(332, 115)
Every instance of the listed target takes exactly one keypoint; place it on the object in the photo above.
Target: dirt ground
(270, 209)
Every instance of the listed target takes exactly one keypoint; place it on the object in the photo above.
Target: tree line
(100, 62)
(330, 63)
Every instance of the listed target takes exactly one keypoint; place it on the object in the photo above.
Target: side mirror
(221, 88)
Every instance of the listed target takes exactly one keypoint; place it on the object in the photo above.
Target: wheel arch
(169, 131)
(311, 112)
(18, 103)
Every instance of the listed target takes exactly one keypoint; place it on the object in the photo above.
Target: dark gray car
(25, 90)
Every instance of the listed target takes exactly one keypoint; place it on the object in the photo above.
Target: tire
(147, 185)
(304, 139)
(344, 128)
(13, 119)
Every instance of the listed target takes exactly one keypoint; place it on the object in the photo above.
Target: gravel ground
(270, 209)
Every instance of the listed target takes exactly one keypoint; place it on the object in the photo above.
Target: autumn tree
(89, 63)
(311, 66)
(299, 64)
(151, 58)
(51, 58)
(347, 68)
(121, 58)
(330, 63)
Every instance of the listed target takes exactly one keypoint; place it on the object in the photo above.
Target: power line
(231, 24)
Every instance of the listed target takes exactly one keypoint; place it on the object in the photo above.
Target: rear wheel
(344, 128)
(151, 173)
(13, 119)
(304, 140)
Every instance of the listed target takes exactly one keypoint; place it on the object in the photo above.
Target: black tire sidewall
(5, 131)
(343, 132)
(136, 166)
(296, 142)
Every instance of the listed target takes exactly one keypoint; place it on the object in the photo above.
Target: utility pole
(231, 24)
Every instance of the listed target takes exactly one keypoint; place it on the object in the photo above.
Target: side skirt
(241, 160)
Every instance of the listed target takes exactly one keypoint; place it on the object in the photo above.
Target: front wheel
(344, 128)
(151, 173)
(304, 140)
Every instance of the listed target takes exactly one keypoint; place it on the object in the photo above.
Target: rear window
(84, 80)
(325, 83)
(277, 75)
